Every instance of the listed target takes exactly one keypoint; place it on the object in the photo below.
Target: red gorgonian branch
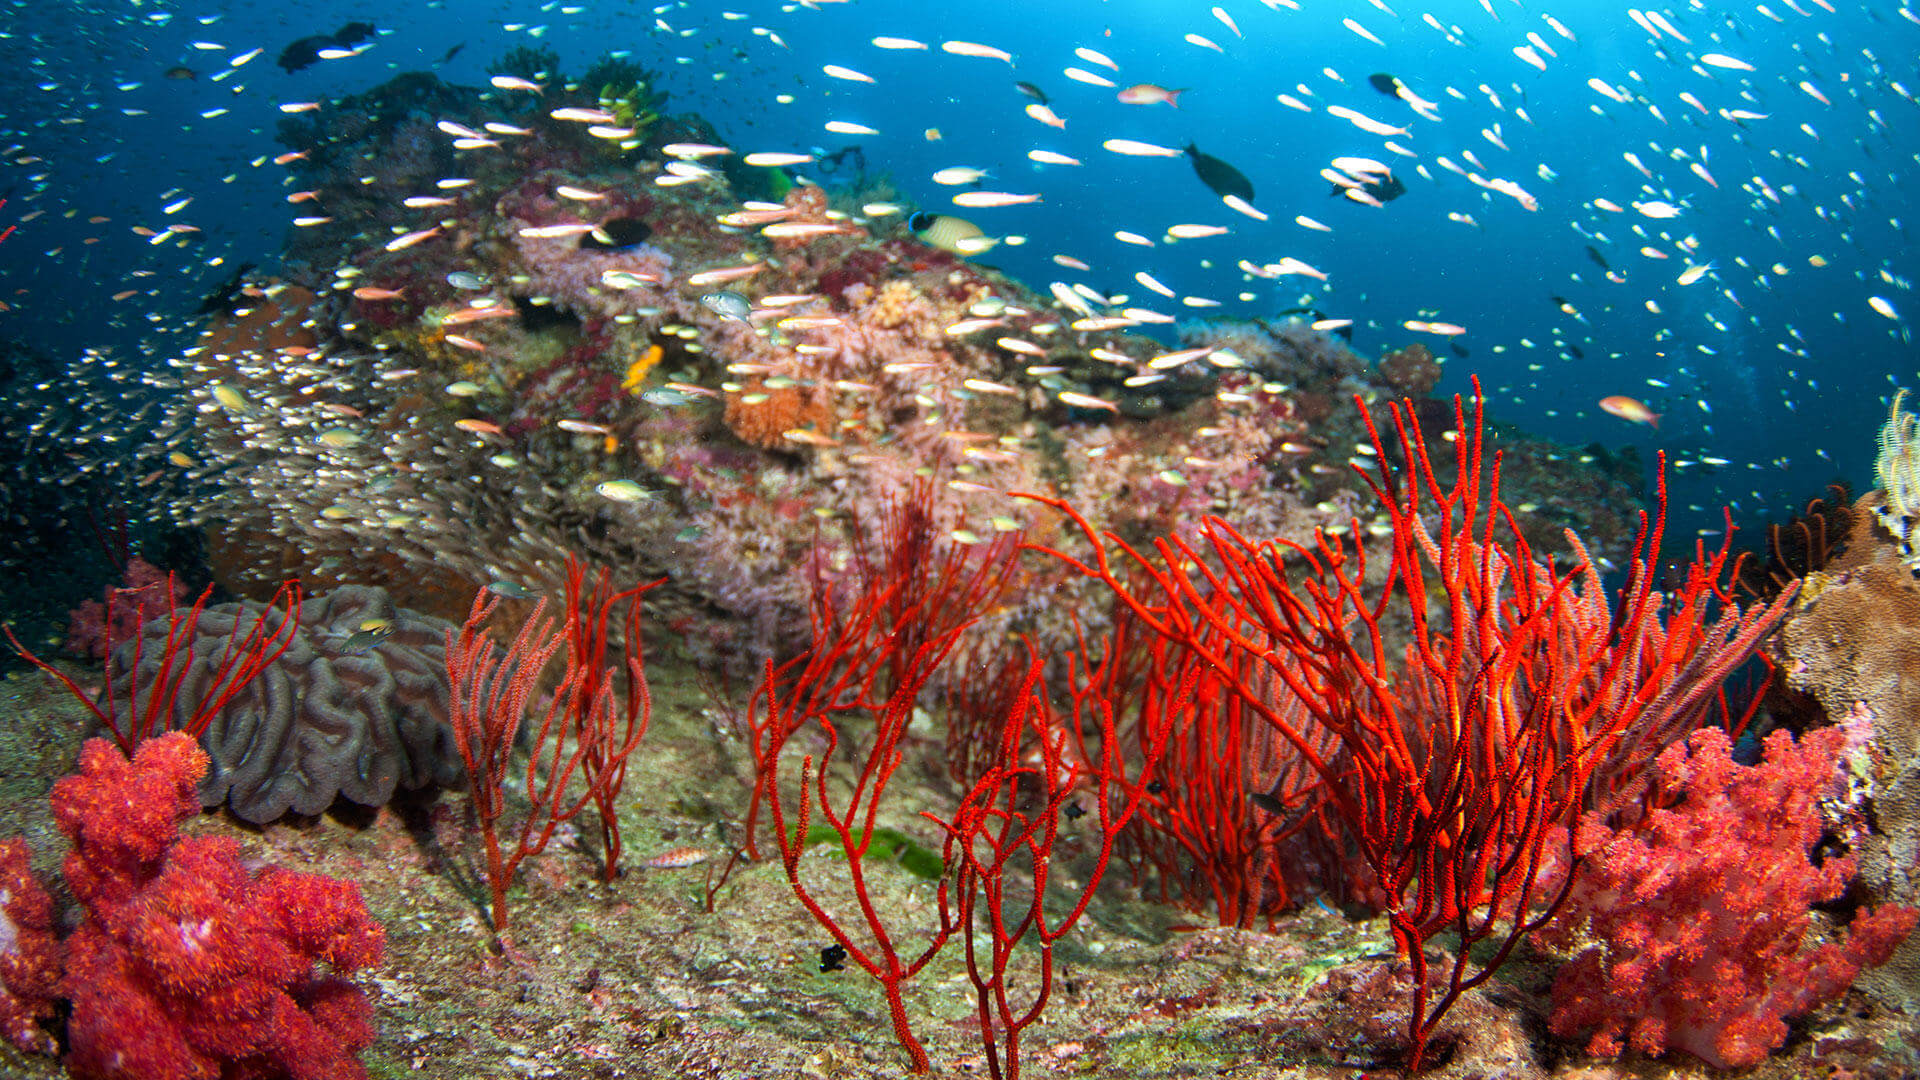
(583, 727)
(842, 708)
(1517, 700)
(148, 712)
(1003, 839)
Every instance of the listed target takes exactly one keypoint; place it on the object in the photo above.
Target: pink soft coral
(189, 965)
(145, 592)
(1695, 922)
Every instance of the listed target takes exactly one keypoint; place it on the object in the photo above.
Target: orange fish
(1150, 94)
(473, 314)
(677, 858)
(375, 292)
(1632, 409)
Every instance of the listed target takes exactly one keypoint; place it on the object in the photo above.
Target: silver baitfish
(729, 305)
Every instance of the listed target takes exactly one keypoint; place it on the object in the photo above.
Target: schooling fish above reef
(1631, 409)
(1344, 333)
(1393, 87)
(729, 305)
(1224, 179)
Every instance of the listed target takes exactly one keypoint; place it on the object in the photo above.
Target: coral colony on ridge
(610, 601)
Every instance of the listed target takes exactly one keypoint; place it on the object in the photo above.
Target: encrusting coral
(1852, 643)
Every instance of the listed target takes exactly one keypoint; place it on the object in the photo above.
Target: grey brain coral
(319, 722)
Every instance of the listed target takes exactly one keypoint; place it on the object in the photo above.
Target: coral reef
(354, 707)
(1411, 372)
(31, 955)
(548, 321)
(478, 388)
(1852, 643)
(1693, 925)
(190, 964)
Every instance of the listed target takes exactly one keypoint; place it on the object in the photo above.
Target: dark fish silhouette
(840, 159)
(1385, 83)
(1594, 254)
(1386, 189)
(1223, 178)
(1032, 91)
(617, 233)
(182, 73)
(833, 958)
(226, 296)
(305, 52)
(353, 34)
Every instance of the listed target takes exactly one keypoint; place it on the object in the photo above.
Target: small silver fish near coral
(666, 397)
(729, 305)
(622, 491)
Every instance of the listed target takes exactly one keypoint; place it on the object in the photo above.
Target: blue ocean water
(1799, 115)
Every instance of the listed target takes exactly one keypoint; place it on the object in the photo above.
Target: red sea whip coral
(189, 965)
(1519, 691)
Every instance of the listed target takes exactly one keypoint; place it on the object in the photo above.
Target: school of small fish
(1679, 212)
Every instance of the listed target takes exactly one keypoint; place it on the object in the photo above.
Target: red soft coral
(30, 952)
(1695, 922)
(190, 966)
(123, 816)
